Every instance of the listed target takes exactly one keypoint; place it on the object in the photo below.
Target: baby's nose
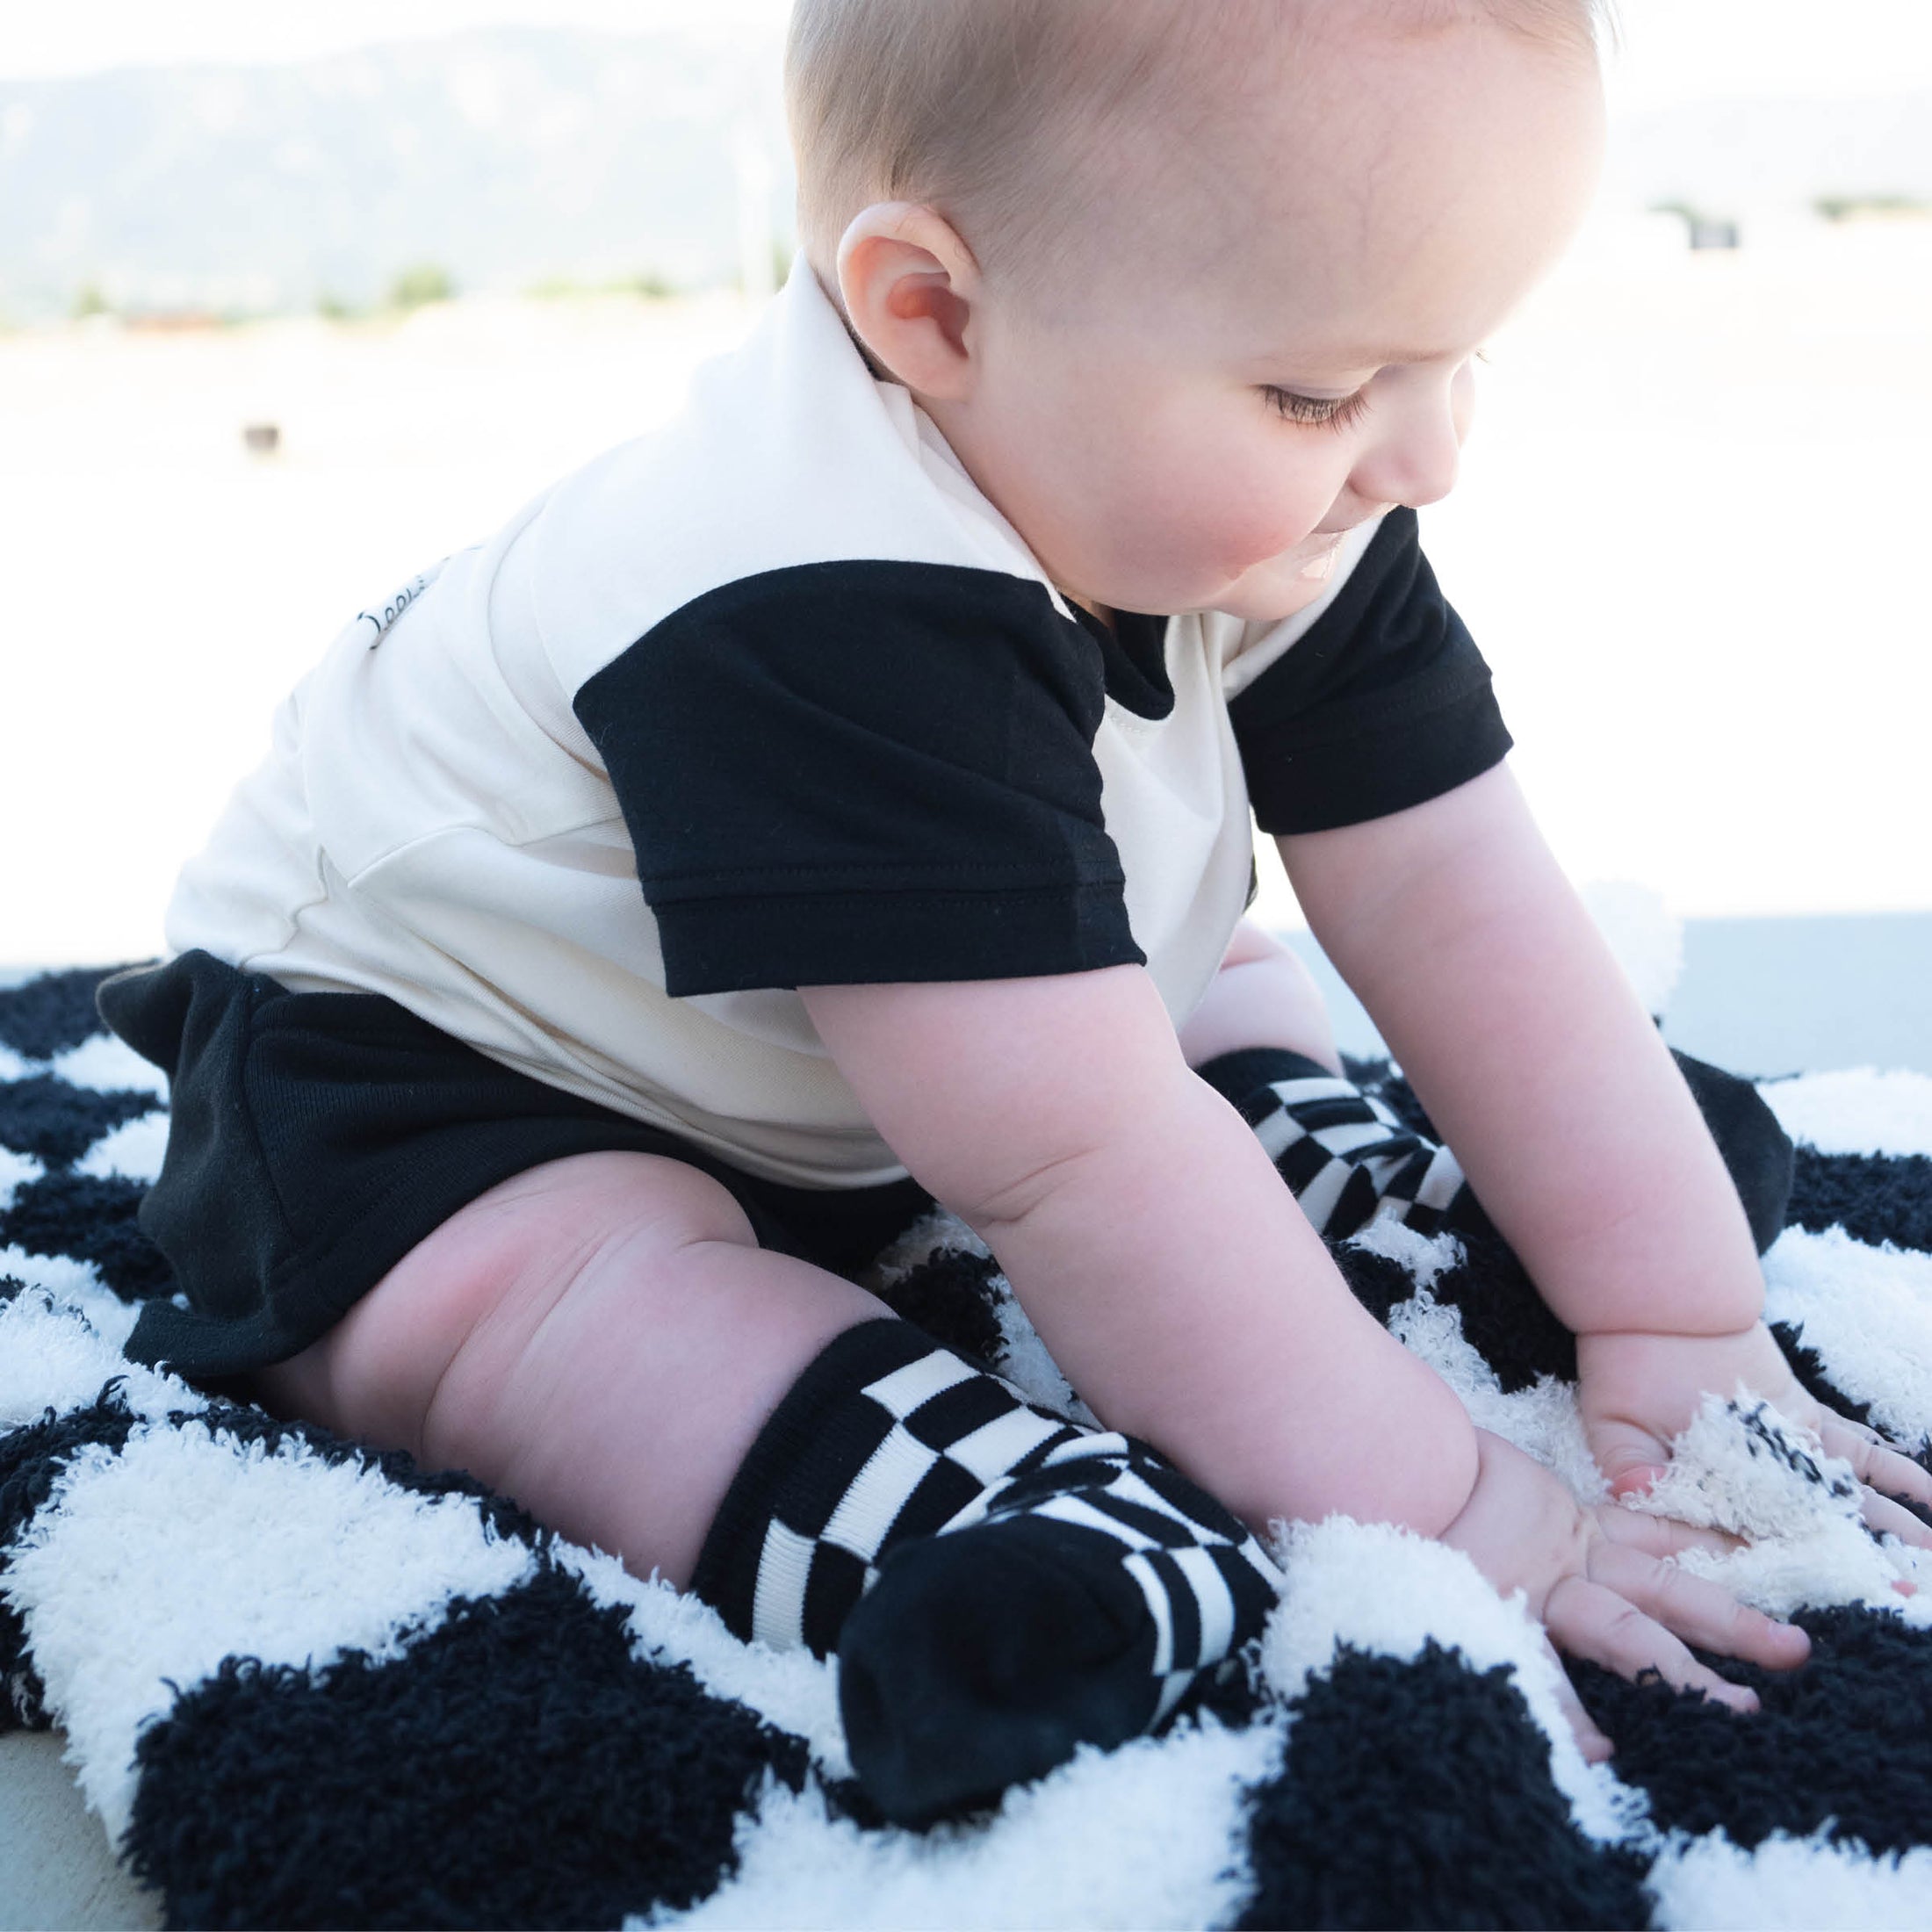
(1415, 463)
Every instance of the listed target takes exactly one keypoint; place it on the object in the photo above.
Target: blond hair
(995, 110)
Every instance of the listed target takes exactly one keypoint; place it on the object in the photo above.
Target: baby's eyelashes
(1318, 412)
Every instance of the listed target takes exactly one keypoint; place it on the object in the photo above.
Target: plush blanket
(305, 1685)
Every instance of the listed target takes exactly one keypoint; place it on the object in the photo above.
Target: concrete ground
(1766, 995)
(55, 1869)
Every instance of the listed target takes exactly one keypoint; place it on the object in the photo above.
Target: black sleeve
(1383, 704)
(860, 772)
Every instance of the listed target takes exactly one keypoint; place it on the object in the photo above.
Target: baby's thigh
(601, 1338)
(527, 1295)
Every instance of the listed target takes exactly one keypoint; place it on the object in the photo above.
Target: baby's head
(1191, 286)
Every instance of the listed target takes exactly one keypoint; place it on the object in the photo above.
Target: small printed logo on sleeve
(378, 624)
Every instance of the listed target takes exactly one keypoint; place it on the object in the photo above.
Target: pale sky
(1675, 50)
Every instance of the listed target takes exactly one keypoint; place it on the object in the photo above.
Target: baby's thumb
(1631, 1459)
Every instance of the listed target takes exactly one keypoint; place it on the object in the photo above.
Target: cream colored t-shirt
(772, 697)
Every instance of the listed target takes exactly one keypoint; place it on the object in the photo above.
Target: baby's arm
(1517, 1029)
(1151, 1241)
(1177, 1284)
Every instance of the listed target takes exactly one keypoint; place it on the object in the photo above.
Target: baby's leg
(599, 1337)
(1261, 1037)
(602, 1339)
(1263, 996)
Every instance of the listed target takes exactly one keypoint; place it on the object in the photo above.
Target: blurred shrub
(652, 287)
(1851, 207)
(419, 284)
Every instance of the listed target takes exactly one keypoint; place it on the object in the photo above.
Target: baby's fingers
(1590, 1621)
(1591, 1741)
(1663, 1535)
(1895, 1519)
(1631, 1458)
(1884, 1474)
(1695, 1609)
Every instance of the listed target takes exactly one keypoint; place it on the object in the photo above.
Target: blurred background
(296, 298)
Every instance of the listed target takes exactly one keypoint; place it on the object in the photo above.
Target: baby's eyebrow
(1360, 361)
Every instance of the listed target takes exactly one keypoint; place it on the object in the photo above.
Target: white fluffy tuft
(1855, 1112)
(52, 1358)
(147, 1568)
(1868, 1312)
(791, 1689)
(109, 1063)
(1789, 1884)
(1543, 1421)
(1159, 1826)
(17, 1170)
(1743, 1467)
(133, 1149)
(1423, 1256)
(1373, 1587)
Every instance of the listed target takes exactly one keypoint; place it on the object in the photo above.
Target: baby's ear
(908, 284)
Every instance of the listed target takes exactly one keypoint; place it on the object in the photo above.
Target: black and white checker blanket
(304, 1684)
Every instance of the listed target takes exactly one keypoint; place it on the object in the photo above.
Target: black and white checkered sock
(1346, 1156)
(1039, 1585)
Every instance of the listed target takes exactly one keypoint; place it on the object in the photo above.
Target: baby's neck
(1092, 610)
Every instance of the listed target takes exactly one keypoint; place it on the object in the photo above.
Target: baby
(797, 814)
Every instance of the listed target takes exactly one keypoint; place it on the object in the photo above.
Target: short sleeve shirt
(774, 697)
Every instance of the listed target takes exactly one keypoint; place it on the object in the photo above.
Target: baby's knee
(1263, 996)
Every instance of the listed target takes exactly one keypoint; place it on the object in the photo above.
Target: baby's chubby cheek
(1182, 536)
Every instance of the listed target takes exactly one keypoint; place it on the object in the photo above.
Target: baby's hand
(1637, 1391)
(1596, 1581)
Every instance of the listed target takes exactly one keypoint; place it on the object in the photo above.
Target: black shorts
(315, 1138)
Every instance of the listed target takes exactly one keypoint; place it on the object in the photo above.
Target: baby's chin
(1276, 588)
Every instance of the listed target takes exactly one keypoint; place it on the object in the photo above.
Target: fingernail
(1636, 1481)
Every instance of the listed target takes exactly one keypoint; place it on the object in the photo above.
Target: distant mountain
(510, 157)
(505, 156)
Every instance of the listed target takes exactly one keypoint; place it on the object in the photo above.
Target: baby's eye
(1320, 412)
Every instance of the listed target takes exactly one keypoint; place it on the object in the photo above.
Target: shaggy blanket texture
(305, 1685)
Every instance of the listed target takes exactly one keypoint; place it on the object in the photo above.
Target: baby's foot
(1001, 1585)
(1075, 1603)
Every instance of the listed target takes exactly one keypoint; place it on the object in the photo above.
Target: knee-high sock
(1346, 1156)
(1001, 1585)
